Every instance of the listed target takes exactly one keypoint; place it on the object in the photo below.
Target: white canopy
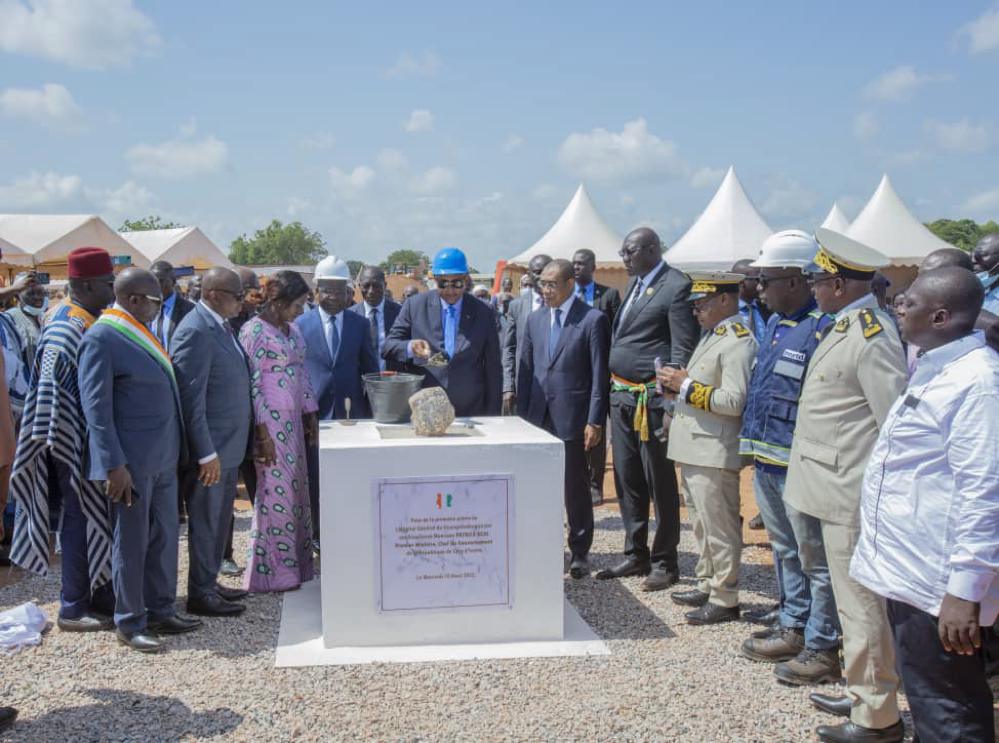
(580, 226)
(886, 225)
(12, 254)
(182, 246)
(51, 237)
(728, 230)
(836, 220)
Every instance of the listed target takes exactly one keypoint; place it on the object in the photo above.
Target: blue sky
(418, 125)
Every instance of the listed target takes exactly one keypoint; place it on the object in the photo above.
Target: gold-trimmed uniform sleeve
(699, 395)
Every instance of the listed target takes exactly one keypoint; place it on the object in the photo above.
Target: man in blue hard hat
(450, 339)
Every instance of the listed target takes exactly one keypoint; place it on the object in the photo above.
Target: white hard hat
(787, 249)
(332, 267)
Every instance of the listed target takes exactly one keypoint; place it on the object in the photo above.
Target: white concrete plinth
(452, 540)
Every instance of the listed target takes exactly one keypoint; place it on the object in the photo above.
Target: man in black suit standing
(562, 387)
(607, 300)
(656, 321)
(378, 310)
(174, 307)
(516, 324)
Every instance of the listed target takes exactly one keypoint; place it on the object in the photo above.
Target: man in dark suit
(513, 332)
(607, 300)
(214, 382)
(130, 399)
(450, 321)
(656, 320)
(562, 387)
(174, 307)
(378, 311)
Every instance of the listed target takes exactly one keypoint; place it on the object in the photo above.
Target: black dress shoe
(691, 597)
(579, 568)
(175, 625)
(88, 622)
(712, 614)
(230, 568)
(7, 717)
(214, 606)
(839, 706)
(625, 569)
(756, 523)
(660, 580)
(141, 641)
(763, 616)
(230, 594)
(851, 731)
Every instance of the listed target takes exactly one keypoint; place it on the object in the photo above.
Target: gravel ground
(663, 681)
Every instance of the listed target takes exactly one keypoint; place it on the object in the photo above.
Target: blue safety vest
(775, 385)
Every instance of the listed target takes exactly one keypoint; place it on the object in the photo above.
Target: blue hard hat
(449, 261)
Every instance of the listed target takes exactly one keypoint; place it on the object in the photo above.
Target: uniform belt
(641, 421)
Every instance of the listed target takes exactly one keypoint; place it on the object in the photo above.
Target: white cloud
(320, 141)
(984, 203)
(707, 177)
(420, 120)
(52, 105)
(601, 155)
(351, 184)
(983, 32)
(959, 136)
(297, 205)
(179, 158)
(414, 65)
(789, 200)
(40, 191)
(866, 126)
(393, 160)
(435, 181)
(513, 142)
(899, 84)
(544, 192)
(129, 199)
(93, 34)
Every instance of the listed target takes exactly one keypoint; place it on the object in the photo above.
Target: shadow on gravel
(630, 619)
(126, 715)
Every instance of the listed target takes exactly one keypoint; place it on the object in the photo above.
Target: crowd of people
(872, 429)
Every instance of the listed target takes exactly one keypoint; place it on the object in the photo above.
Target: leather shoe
(660, 580)
(712, 614)
(851, 731)
(625, 569)
(141, 641)
(214, 606)
(230, 568)
(840, 706)
(88, 622)
(579, 568)
(230, 594)
(175, 625)
(756, 523)
(7, 717)
(692, 597)
(763, 616)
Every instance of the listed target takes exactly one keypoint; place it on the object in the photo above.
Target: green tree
(407, 259)
(152, 222)
(278, 245)
(355, 267)
(962, 233)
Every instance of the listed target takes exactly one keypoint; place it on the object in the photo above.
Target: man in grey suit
(516, 324)
(130, 400)
(214, 382)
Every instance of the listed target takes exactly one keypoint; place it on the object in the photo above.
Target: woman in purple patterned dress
(284, 410)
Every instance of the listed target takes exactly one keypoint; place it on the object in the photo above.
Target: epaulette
(816, 313)
(842, 325)
(788, 323)
(720, 330)
(741, 331)
(869, 323)
(699, 395)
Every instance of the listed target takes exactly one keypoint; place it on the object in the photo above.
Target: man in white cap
(854, 376)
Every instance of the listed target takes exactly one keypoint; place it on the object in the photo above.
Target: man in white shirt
(379, 311)
(930, 511)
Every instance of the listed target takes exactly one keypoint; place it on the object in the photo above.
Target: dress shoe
(625, 569)
(660, 580)
(756, 523)
(691, 597)
(230, 569)
(214, 606)
(141, 641)
(780, 646)
(89, 622)
(810, 667)
(763, 616)
(579, 568)
(712, 614)
(7, 717)
(851, 731)
(839, 706)
(230, 594)
(175, 625)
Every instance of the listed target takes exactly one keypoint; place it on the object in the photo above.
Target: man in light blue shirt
(986, 255)
(754, 316)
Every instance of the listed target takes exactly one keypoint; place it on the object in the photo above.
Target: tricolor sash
(138, 333)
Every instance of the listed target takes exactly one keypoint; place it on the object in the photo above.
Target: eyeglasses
(453, 283)
(150, 297)
(550, 284)
(812, 281)
(764, 281)
(236, 295)
(627, 251)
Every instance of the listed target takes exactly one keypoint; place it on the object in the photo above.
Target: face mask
(36, 311)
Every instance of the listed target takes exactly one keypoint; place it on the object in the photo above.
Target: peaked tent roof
(181, 246)
(836, 220)
(887, 225)
(580, 226)
(51, 237)
(728, 230)
(13, 255)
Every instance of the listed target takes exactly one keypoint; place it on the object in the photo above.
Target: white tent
(888, 226)
(836, 220)
(580, 226)
(50, 238)
(183, 246)
(11, 254)
(728, 230)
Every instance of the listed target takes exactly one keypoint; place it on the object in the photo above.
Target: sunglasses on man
(452, 283)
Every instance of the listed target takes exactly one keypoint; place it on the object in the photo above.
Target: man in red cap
(54, 434)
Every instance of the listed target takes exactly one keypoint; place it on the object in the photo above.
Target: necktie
(556, 331)
(450, 329)
(373, 322)
(159, 327)
(633, 298)
(333, 336)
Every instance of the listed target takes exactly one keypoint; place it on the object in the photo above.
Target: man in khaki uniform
(855, 374)
(704, 441)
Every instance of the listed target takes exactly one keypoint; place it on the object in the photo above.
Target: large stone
(432, 411)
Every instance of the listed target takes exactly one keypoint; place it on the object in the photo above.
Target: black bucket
(389, 393)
